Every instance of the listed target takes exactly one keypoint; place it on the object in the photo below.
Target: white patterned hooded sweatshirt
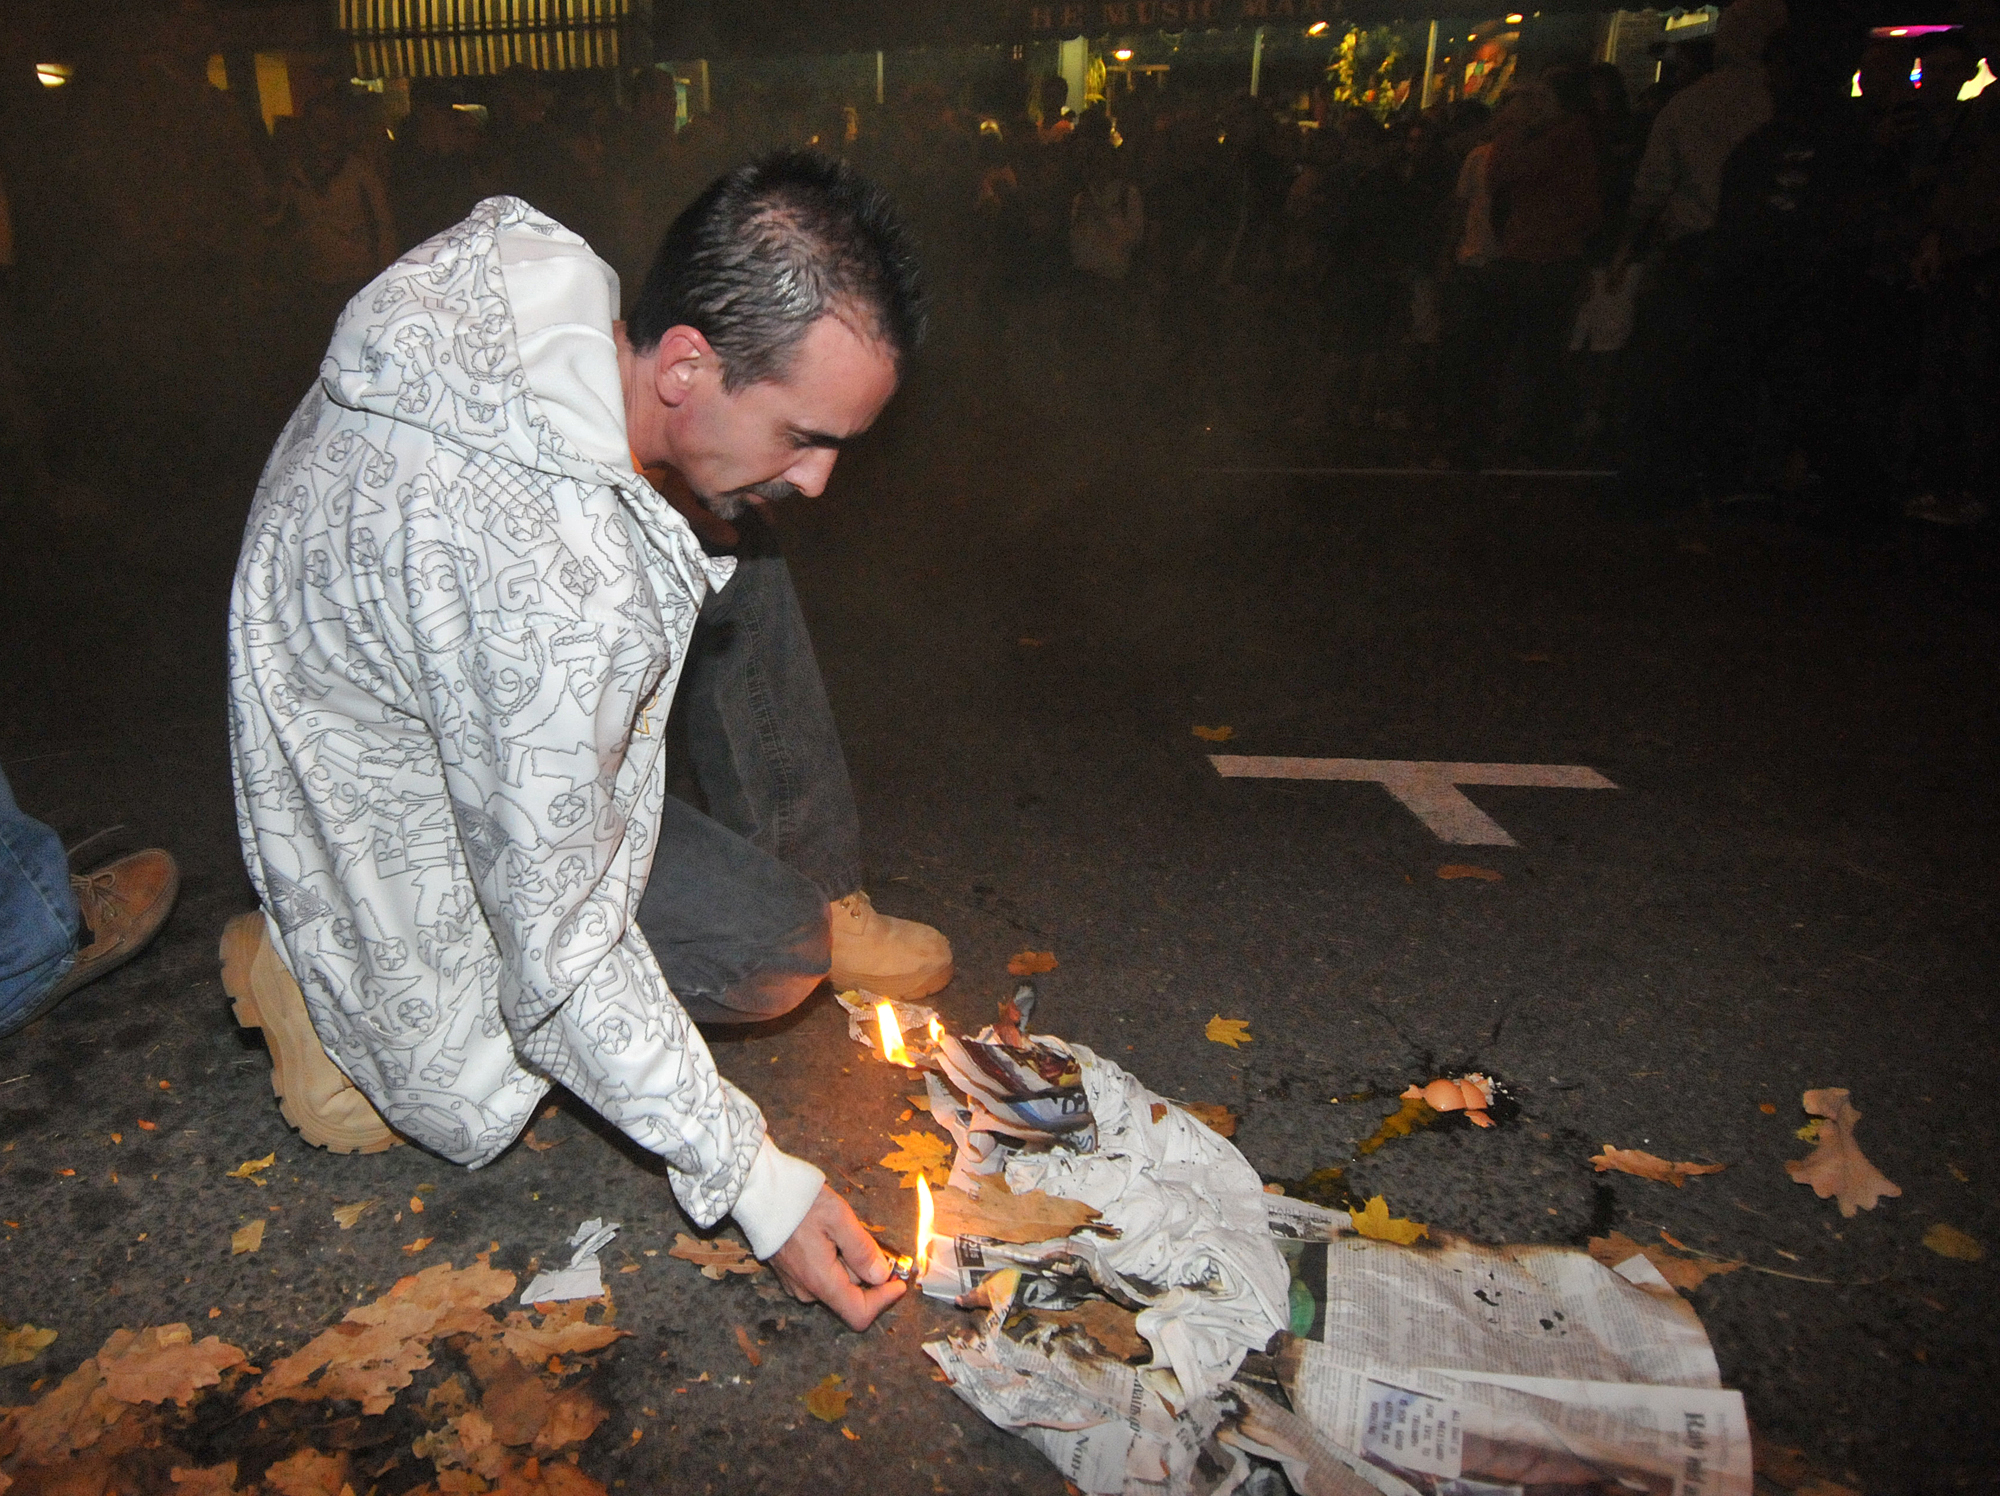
(458, 619)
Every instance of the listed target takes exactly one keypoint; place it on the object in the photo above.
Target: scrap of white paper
(583, 1278)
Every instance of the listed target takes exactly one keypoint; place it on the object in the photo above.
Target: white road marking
(1429, 790)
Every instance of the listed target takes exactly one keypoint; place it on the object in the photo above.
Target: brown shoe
(313, 1094)
(123, 904)
(886, 956)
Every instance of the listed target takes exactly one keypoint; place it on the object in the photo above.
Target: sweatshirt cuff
(776, 1195)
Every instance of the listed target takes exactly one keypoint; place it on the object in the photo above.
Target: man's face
(775, 439)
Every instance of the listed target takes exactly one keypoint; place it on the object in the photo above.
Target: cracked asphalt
(1021, 619)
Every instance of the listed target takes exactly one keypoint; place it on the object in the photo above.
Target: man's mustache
(730, 505)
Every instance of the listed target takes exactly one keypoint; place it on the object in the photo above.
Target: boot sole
(903, 989)
(242, 940)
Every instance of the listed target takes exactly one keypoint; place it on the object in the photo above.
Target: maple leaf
(20, 1343)
(717, 1258)
(828, 1400)
(1373, 1220)
(249, 1239)
(1235, 1032)
(1032, 963)
(1836, 1167)
(1215, 734)
(347, 1215)
(1949, 1241)
(250, 1168)
(1649, 1166)
(1684, 1273)
(1453, 870)
(922, 1153)
(993, 1210)
(164, 1363)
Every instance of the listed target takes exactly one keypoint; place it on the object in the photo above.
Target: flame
(892, 1034)
(923, 1227)
(937, 1030)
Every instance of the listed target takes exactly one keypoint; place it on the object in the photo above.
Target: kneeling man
(460, 618)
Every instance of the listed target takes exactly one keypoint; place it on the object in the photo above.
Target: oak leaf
(991, 1209)
(308, 1473)
(922, 1153)
(1373, 1220)
(563, 1331)
(1111, 1326)
(1649, 1166)
(20, 1343)
(717, 1258)
(828, 1400)
(573, 1418)
(1684, 1273)
(1032, 963)
(1836, 1168)
(165, 1363)
(1235, 1032)
(1949, 1241)
(249, 1238)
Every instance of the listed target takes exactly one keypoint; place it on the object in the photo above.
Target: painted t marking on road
(1430, 791)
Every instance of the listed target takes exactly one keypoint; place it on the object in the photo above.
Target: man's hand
(833, 1261)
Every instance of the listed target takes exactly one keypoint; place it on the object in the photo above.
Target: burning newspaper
(1155, 1322)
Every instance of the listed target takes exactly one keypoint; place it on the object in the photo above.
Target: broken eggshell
(1470, 1094)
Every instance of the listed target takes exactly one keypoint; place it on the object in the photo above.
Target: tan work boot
(313, 1095)
(123, 905)
(886, 956)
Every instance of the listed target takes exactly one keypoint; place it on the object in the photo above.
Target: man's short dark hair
(767, 251)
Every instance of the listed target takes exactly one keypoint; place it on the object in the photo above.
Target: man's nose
(810, 473)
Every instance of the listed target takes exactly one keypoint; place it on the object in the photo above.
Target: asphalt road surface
(1021, 623)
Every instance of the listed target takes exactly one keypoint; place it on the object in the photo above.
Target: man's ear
(683, 356)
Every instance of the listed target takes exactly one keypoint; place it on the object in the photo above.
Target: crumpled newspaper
(1192, 1251)
(583, 1278)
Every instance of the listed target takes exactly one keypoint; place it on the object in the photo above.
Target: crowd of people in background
(1753, 279)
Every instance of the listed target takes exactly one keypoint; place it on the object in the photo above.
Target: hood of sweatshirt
(496, 336)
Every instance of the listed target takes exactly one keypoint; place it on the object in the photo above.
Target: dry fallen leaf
(536, 1145)
(1235, 1032)
(1032, 963)
(1946, 1241)
(20, 1343)
(410, 1249)
(922, 1153)
(249, 1239)
(308, 1473)
(1649, 1166)
(717, 1258)
(1219, 1120)
(1215, 734)
(145, 1126)
(828, 1401)
(1452, 870)
(1684, 1273)
(1374, 1220)
(164, 1364)
(250, 1168)
(749, 1347)
(997, 1212)
(1836, 1167)
(215, 1480)
(347, 1215)
(1112, 1327)
(563, 1331)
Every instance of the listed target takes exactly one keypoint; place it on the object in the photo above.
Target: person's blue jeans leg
(39, 921)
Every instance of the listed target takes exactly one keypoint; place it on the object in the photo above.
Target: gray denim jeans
(735, 908)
